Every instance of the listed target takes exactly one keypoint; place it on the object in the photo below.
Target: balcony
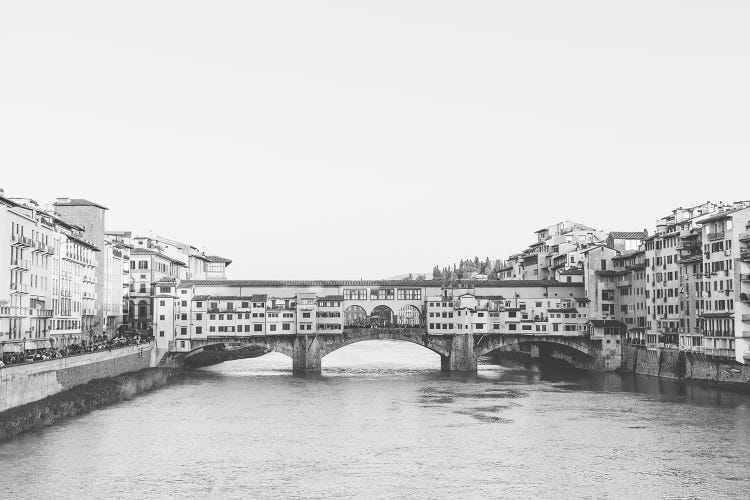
(23, 264)
(744, 236)
(688, 245)
(745, 254)
(745, 297)
(744, 277)
(41, 313)
(19, 240)
(718, 235)
(746, 318)
(624, 283)
(19, 288)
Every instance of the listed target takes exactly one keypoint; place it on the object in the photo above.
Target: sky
(348, 140)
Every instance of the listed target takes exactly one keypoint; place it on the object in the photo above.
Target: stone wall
(672, 363)
(22, 384)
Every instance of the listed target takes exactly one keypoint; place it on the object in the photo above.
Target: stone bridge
(458, 352)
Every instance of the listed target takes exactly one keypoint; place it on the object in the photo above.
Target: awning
(32, 345)
(12, 348)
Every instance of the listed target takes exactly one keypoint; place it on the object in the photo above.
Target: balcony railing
(718, 235)
(19, 288)
(744, 236)
(745, 254)
(20, 264)
(744, 277)
(746, 317)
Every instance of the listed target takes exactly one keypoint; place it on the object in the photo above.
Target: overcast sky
(367, 139)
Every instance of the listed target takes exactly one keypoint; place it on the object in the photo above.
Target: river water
(382, 421)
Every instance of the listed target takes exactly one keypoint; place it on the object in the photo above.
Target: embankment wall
(676, 364)
(26, 383)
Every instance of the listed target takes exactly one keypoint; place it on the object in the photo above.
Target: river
(382, 421)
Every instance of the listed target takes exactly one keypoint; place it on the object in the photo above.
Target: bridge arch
(355, 315)
(436, 344)
(511, 343)
(409, 315)
(382, 316)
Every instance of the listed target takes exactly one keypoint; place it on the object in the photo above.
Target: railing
(744, 277)
(746, 317)
(21, 263)
(691, 244)
(19, 288)
(744, 236)
(745, 254)
(718, 235)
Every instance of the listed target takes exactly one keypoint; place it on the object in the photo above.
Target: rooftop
(77, 202)
(384, 283)
(628, 235)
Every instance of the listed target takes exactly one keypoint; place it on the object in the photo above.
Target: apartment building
(48, 292)
(723, 308)
(557, 249)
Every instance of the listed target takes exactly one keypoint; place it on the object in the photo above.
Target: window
(161, 333)
(258, 328)
(305, 314)
(409, 294)
(142, 264)
(272, 328)
(198, 330)
(199, 316)
(286, 326)
(161, 303)
(199, 304)
(161, 317)
(183, 303)
(183, 330)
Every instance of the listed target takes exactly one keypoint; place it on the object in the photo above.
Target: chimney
(62, 201)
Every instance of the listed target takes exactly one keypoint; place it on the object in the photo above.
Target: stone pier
(307, 354)
(461, 357)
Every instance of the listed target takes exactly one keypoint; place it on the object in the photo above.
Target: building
(204, 309)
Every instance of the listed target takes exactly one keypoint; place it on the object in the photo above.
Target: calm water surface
(382, 421)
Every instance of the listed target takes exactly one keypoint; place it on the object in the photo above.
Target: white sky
(367, 139)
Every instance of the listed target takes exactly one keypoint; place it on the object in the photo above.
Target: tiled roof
(399, 283)
(148, 251)
(572, 272)
(79, 202)
(249, 298)
(625, 255)
(628, 235)
(216, 258)
(721, 215)
(331, 297)
(84, 243)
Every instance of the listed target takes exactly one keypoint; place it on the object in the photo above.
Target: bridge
(458, 352)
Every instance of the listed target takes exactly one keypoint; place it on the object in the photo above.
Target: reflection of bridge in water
(458, 352)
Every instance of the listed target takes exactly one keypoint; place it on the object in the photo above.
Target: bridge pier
(306, 354)
(461, 357)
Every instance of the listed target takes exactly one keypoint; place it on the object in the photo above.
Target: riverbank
(81, 399)
(683, 365)
(29, 382)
